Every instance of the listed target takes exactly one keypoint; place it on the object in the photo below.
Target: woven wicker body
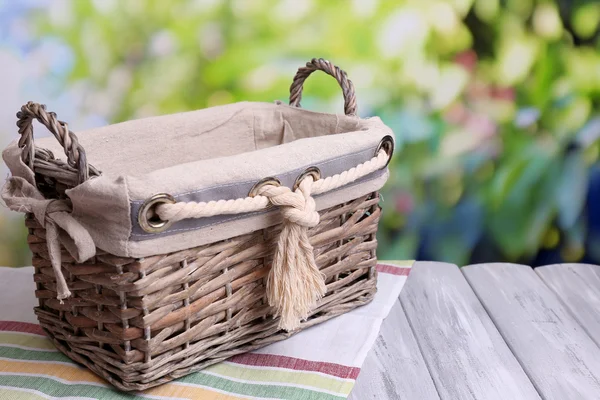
(139, 323)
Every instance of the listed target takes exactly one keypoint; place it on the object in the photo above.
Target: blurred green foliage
(493, 103)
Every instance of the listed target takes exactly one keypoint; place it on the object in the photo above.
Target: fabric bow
(61, 227)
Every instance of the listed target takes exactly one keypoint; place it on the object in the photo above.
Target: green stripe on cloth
(54, 388)
(21, 394)
(279, 375)
(257, 390)
(33, 355)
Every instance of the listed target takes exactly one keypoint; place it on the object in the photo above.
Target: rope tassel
(294, 284)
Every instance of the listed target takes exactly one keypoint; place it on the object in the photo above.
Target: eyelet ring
(154, 225)
(266, 181)
(310, 171)
(387, 144)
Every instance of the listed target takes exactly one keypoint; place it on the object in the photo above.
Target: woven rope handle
(76, 157)
(327, 67)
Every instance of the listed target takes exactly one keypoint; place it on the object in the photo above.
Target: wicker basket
(142, 321)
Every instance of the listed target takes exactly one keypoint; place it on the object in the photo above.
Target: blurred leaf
(515, 58)
(521, 220)
(546, 21)
(571, 190)
(589, 134)
(576, 234)
(544, 73)
(522, 7)
(461, 6)
(404, 248)
(509, 218)
(486, 10)
(573, 116)
(452, 81)
(582, 64)
(453, 250)
(452, 236)
(505, 180)
(586, 19)
(518, 229)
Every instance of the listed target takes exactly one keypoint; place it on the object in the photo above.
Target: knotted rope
(61, 228)
(294, 283)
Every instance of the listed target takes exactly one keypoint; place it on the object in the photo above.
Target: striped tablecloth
(319, 363)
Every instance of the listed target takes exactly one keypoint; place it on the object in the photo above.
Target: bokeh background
(494, 103)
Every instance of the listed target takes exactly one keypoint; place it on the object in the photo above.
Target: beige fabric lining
(190, 151)
(145, 145)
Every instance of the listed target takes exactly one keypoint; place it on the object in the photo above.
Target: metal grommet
(154, 224)
(266, 181)
(387, 144)
(310, 171)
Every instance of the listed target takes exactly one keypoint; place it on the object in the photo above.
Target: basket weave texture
(141, 322)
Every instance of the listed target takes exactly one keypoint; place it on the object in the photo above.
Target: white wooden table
(489, 331)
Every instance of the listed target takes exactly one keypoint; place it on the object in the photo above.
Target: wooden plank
(578, 286)
(559, 357)
(464, 352)
(394, 368)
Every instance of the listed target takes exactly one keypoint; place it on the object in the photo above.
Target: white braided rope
(186, 210)
(351, 175)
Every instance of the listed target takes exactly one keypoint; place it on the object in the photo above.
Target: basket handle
(319, 64)
(75, 153)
